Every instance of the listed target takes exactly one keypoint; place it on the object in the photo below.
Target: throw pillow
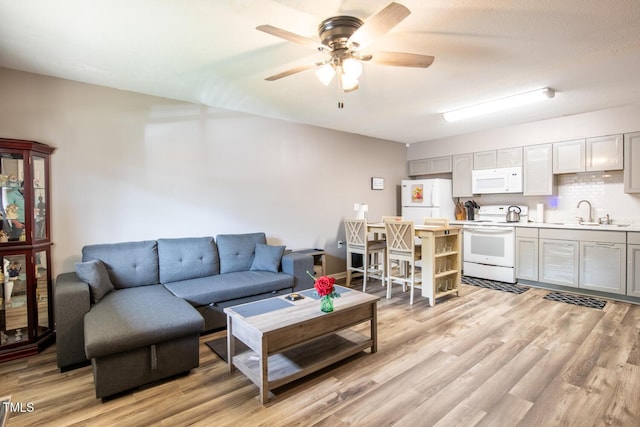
(95, 274)
(267, 258)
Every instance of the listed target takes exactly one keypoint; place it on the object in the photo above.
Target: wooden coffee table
(291, 339)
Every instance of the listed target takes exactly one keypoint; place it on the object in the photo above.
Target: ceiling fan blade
(292, 37)
(401, 59)
(295, 70)
(379, 24)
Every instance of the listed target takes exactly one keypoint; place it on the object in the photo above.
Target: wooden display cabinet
(26, 297)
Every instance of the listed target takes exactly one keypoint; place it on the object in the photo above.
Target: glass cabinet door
(40, 199)
(13, 306)
(12, 194)
(42, 292)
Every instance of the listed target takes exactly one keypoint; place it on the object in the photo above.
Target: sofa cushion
(187, 258)
(267, 258)
(132, 318)
(225, 287)
(95, 274)
(129, 264)
(237, 250)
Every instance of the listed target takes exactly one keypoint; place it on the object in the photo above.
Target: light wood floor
(486, 358)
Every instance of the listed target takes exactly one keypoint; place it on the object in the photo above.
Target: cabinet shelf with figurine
(26, 310)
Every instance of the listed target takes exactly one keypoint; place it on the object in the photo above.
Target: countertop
(570, 226)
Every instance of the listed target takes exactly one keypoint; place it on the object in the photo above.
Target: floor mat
(492, 284)
(580, 300)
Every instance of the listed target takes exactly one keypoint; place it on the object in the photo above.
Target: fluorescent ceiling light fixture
(499, 104)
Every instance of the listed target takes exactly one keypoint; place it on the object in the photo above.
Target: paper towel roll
(540, 212)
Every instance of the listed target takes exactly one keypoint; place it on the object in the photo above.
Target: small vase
(326, 304)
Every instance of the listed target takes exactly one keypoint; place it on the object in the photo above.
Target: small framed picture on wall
(377, 183)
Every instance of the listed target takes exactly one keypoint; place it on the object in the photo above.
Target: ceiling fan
(342, 38)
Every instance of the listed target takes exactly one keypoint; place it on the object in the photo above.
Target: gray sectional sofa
(136, 309)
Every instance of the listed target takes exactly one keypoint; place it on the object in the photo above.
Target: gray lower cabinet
(633, 264)
(558, 262)
(594, 260)
(633, 270)
(527, 253)
(603, 267)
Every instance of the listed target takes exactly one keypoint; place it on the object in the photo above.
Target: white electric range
(490, 243)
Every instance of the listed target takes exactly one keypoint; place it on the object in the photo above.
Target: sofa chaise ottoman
(136, 309)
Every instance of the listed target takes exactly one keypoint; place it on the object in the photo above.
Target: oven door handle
(490, 230)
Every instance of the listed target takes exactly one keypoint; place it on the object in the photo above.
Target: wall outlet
(340, 243)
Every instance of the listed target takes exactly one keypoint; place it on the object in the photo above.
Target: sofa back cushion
(129, 264)
(237, 250)
(187, 258)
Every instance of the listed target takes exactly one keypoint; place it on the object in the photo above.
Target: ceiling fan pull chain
(340, 94)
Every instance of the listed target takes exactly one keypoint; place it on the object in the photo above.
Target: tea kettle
(513, 214)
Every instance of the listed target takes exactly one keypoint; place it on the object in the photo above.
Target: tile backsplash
(604, 190)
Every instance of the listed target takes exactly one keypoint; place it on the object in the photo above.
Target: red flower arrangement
(324, 286)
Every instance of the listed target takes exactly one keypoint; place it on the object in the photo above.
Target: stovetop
(496, 215)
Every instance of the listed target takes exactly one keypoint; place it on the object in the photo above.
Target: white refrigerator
(427, 198)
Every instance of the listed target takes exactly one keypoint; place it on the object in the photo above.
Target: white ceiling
(208, 52)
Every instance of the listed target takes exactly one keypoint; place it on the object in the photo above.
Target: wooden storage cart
(441, 262)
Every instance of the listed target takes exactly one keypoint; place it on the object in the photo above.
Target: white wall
(604, 190)
(129, 167)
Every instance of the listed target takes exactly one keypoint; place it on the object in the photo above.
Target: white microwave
(495, 181)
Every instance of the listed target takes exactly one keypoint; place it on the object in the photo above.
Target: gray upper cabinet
(632, 162)
(439, 165)
(417, 167)
(538, 170)
(509, 157)
(569, 156)
(502, 158)
(461, 175)
(430, 166)
(604, 153)
(485, 160)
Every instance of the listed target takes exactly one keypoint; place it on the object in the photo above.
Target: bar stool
(358, 243)
(401, 248)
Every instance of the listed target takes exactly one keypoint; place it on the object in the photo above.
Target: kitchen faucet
(588, 203)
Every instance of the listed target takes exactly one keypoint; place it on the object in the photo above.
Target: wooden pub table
(290, 339)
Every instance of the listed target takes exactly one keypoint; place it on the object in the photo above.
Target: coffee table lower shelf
(303, 359)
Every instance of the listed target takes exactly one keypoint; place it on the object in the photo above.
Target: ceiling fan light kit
(500, 104)
(325, 73)
(348, 82)
(341, 37)
(352, 67)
